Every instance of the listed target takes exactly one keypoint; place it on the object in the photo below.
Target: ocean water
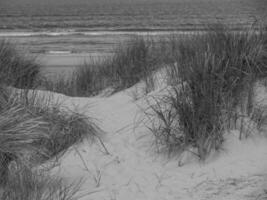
(126, 14)
(54, 29)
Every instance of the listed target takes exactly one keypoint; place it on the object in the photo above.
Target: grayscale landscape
(133, 99)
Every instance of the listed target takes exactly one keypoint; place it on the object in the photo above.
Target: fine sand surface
(133, 170)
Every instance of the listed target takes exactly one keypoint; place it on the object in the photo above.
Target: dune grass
(16, 69)
(26, 184)
(18, 130)
(34, 130)
(132, 61)
(211, 74)
(212, 82)
(34, 124)
(64, 127)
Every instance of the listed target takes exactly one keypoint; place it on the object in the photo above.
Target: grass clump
(212, 85)
(19, 129)
(15, 68)
(26, 184)
(131, 62)
(65, 129)
(34, 130)
(135, 61)
(61, 128)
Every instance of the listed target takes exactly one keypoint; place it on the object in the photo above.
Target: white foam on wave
(91, 33)
(59, 52)
(29, 34)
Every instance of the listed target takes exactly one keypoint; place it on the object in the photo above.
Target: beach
(64, 33)
(169, 102)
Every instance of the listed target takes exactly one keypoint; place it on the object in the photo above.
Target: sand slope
(133, 170)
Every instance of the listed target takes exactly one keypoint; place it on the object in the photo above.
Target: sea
(67, 33)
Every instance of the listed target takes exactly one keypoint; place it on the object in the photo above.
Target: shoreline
(102, 32)
(26, 33)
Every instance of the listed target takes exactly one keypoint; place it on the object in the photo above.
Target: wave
(90, 33)
(59, 52)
